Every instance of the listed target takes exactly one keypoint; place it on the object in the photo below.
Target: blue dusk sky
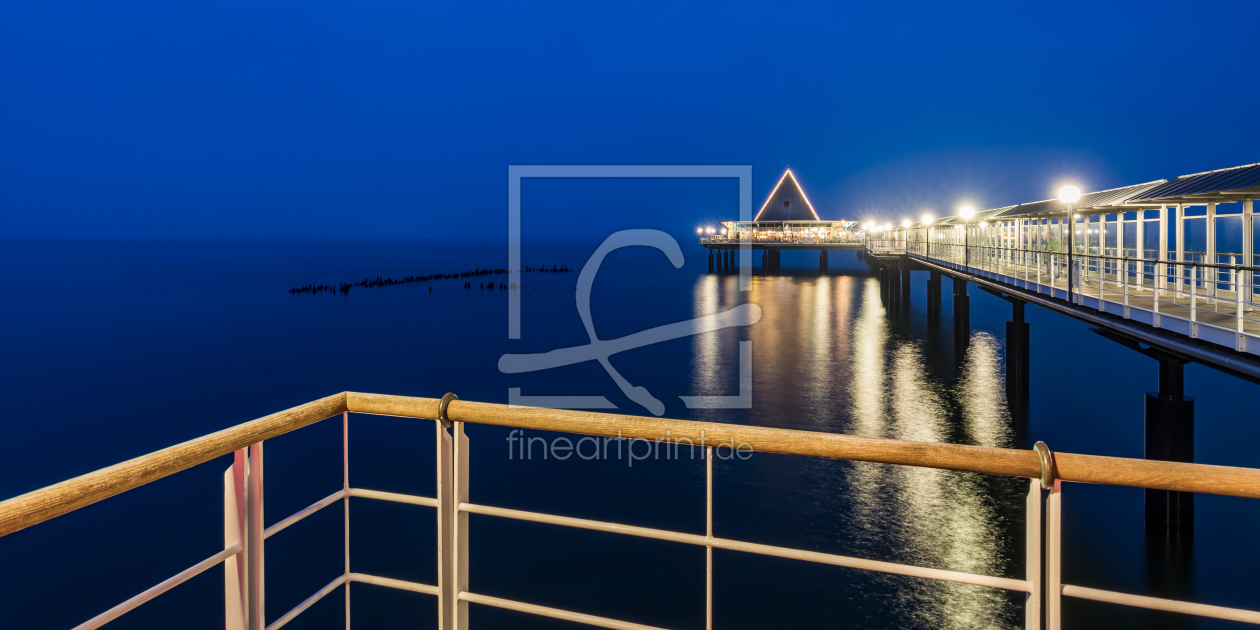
(177, 119)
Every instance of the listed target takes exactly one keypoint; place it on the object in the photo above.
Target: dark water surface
(117, 348)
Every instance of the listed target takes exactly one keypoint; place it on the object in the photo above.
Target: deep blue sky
(158, 118)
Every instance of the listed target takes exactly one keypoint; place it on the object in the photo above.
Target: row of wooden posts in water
(368, 283)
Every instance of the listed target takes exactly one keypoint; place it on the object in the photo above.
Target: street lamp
(966, 212)
(1070, 195)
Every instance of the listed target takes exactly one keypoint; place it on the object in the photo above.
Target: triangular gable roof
(787, 202)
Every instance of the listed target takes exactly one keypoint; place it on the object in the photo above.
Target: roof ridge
(1219, 170)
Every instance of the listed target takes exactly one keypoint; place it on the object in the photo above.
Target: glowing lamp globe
(967, 212)
(1070, 194)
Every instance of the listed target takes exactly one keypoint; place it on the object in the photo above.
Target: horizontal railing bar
(874, 565)
(765, 550)
(297, 610)
(313, 508)
(411, 499)
(402, 585)
(581, 523)
(1083, 255)
(40, 505)
(554, 613)
(135, 602)
(1155, 603)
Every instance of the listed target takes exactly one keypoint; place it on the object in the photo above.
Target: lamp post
(927, 234)
(1070, 195)
(966, 213)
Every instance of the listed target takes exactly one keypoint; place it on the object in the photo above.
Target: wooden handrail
(46, 503)
(1093, 469)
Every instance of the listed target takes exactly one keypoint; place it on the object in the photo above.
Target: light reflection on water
(829, 342)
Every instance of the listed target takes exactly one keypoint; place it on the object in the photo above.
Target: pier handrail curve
(49, 502)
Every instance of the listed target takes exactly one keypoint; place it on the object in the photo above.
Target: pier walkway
(1195, 300)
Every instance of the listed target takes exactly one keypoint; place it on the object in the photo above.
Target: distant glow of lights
(905, 223)
(887, 227)
(1069, 194)
(724, 231)
(984, 224)
(966, 212)
(699, 230)
(927, 219)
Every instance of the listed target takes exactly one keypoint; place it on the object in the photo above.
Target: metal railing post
(345, 501)
(1054, 553)
(708, 527)
(1194, 325)
(1032, 556)
(1240, 341)
(459, 529)
(1038, 273)
(1124, 280)
(235, 577)
(255, 604)
(445, 522)
(1053, 263)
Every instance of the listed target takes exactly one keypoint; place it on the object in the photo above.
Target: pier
(1176, 305)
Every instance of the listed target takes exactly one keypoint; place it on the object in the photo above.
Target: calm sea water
(117, 348)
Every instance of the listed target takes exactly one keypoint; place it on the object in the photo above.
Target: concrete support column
(1071, 262)
(1209, 274)
(1140, 237)
(1017, 354)
(710, 261)
(962, 317)
(1170, 437)
(822, 262)
(764, 269)
(1163, 246)
(1120, 235)
(1181, 246)
(1248, 251)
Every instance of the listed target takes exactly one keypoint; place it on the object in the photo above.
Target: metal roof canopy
(1090, 203)
(1227, 184)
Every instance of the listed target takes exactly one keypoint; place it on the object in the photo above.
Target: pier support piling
(904, 286)
(962, 317)
(710, 261)
(1017, 354)
(1170, 437)
(934, 295)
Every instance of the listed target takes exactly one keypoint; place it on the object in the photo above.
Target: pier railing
(793, 239)
(1211, 301)
(886, 246)
(246, 533)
